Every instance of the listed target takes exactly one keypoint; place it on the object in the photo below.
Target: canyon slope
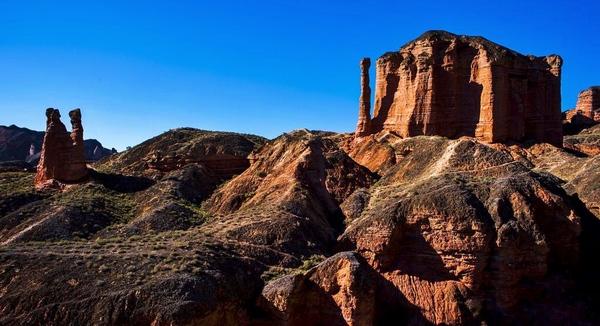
(316, 227)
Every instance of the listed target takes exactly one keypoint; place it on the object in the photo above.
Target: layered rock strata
(62, 157)
(339, 291)
(455, 232)
(586, 142)
(452, 86)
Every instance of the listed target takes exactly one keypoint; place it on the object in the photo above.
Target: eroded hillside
(196, 227)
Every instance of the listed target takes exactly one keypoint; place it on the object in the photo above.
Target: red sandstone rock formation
(588, 102)
(77, 157)
(449, 85)
(586, 141)
(62, 157)
(339, 289)
(363, 127)
(585, 114)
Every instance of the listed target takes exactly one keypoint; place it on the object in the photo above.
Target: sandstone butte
(454, 85)
(62, 158)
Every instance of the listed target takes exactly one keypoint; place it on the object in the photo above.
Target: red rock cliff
(62, 156)
(450, 85)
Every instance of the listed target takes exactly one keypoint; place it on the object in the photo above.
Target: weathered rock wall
(449, 85)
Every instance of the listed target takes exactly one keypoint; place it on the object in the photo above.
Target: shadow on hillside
(121, 183)
(574, 152)
(375, 299)
(577, 124)
(588, 285)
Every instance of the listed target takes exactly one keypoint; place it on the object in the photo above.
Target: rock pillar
(363, 127)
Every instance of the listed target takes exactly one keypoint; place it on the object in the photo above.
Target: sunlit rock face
(588, 103)
(450, 85)
(585, 115)
(62, 157)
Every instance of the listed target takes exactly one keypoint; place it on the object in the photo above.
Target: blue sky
(138, 68)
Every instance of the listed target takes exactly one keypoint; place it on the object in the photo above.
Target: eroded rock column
(62, 157)
(363, 127)
(77, 165)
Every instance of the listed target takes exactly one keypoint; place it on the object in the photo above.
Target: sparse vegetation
(311, 262)
(95, 199)
(274, 272)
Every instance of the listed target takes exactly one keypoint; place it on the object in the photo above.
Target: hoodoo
(364, 110)
(455, 85)
(62, 157)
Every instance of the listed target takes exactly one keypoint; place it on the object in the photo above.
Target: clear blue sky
(138, 68)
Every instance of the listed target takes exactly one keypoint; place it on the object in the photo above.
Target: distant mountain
(22, 144)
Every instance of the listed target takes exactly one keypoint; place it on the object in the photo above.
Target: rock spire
(62, 158)
(363, 127)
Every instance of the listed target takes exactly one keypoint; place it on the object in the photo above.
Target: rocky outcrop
(585, 114)
(449, 221)
(339, 291)
(586, 141)
(62, 157)
(363, 127)
(581, 173)
(450, 85)
(289, 197)
(77, 157)
(588, 103)
(456, 232)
